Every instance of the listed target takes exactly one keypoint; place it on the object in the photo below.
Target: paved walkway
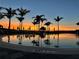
(12, 51)
(65, 51)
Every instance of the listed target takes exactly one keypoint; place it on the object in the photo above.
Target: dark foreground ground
(14, 54)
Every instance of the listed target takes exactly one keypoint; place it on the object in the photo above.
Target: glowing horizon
(28, 24)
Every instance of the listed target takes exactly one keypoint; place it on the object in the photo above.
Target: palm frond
(42, 15)
(77, 23)
(1, 15)
(58, 18)
(22, 11)
(20, 18)
(61, 17)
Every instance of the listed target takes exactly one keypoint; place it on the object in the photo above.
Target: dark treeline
(4, 31)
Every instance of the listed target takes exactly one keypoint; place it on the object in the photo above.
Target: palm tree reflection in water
(77, 37)
(57, 44)
(41, 37)
(47, 41)
(8, 38)
(20, 37)
(1, 38)
(38, 40)
(9, 14)
(35, 42)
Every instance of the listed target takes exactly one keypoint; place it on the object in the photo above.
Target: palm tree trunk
(58, 26)
(21, 25)
(47, 28)
(34, 30)
(9, 23)
(39, 26)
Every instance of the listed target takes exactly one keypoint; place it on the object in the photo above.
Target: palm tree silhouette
(48, 24)
(22, 13)
(9, 14)
(34, 23)
(43, 19)
(39, 19)
(20, 24)
(57, 20)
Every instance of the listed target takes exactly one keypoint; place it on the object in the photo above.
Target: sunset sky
(68, 9)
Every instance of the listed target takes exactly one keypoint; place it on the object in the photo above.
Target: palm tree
(22, 13)
(57, 20)
(34, 23)
(38, 19)
(47, 24)
(9, 14)
(20, 19)
(42, 20)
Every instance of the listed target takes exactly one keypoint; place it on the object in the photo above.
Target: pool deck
(43, 50)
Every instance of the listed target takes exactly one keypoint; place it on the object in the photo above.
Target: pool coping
(32, 49)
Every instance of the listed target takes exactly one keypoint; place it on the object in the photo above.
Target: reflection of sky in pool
(50, 41)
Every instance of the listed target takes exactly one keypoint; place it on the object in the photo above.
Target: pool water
(49, 41)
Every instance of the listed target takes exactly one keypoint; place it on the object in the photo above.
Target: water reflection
(8, 38)
(57, 45)
(47, 41)
(1, 38)
(36, 43)
(44, 40)
(77, 37)
(20, 37)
